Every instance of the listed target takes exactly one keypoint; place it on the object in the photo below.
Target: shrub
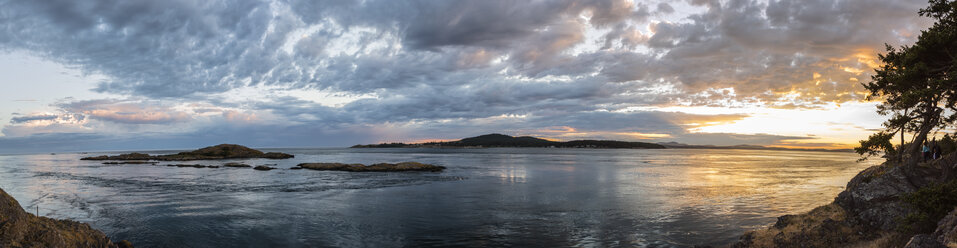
(929, 204)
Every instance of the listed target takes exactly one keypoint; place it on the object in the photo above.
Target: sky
(177, 74)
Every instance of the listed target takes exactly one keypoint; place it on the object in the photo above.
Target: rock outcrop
(21, 229)
(944, 236)
(188, 165)
(380, 167)
(130, 162)
(239, 165)
(263, 168)
(223, 151)
(870, 212)
(946, 232)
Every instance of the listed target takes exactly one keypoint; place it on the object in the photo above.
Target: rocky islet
(217, 152)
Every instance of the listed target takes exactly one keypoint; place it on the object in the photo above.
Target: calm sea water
(486, 197)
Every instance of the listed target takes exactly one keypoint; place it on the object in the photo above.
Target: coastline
(21, 229)
(883, 206)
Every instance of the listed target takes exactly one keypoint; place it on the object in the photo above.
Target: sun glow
(837, 126)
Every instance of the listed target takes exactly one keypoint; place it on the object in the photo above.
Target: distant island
(501, 140)
(222, 151)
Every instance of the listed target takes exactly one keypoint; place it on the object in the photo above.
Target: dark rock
(327, 166)
(21, 229)
(128, 156)
(263, 168)
(785, 220)
(223, 151)
(380, 167)
(130, 162)
(124, 244)
(923, 241)
(296, 168)
(868, 213)
(101, 157)
(872, 198)
(240, 165)
(277, 155)
(212, 166)
(946, 232)
(190, 165)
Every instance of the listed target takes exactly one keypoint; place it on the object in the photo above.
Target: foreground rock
(263, 168)
(944, 236)
(404, 166)
(946, 233)
(223, 151)
(887, 205)
(21, 229)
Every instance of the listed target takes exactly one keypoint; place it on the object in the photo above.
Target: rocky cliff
(21, 229)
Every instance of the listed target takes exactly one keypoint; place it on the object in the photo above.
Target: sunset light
(478, 123)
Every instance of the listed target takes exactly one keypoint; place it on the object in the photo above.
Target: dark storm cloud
(24, 119)
(665, 8)
(177, 48)
(780, 45)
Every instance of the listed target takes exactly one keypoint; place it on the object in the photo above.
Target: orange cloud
(126, 111)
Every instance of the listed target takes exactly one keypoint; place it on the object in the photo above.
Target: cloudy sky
(116, 75)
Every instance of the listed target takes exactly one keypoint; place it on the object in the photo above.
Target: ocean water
(486, 198)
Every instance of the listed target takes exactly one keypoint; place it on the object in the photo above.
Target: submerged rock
(190, 165)
(327, 166)
(239, 165)
(277, 155)
(223, 151)
(404, 166)
(130, 162)
(263, 168)
(21, 229)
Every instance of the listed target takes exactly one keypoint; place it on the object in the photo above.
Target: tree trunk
(900, 150)
(930, 121)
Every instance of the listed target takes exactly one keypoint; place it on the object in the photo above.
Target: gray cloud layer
(559, 63)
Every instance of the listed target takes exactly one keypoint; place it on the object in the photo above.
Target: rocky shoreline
(21, 229)
(887, 205)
